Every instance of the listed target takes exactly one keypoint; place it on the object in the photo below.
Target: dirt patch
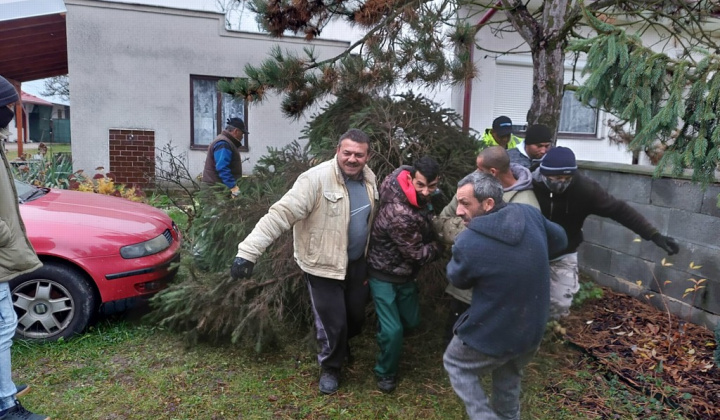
(664, 357)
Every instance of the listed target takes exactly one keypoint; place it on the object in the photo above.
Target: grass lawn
(124, 368)
(31, 149)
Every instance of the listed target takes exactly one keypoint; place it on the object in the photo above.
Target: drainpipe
(469, 80)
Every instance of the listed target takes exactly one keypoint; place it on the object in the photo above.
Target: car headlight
(153, 246)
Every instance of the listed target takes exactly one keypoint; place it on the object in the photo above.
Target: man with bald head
(516, 181)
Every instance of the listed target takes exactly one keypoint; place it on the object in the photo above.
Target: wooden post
(19, 117)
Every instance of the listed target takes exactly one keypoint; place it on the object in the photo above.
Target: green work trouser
(397, 308)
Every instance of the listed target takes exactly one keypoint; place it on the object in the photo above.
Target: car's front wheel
(52, 302)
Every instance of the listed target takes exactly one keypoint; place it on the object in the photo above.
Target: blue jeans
(466, 365)
(8, 323)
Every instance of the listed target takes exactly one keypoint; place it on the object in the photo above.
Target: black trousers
(457, 308)
(339, 310)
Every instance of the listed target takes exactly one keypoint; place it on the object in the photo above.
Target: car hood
(82, 220)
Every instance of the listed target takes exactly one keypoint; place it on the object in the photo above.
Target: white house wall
(131, 67)
(487, 98)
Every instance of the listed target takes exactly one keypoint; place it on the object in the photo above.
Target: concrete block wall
(616, 257)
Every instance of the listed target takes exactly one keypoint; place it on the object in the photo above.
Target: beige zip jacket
(17, 255)
(318, 209)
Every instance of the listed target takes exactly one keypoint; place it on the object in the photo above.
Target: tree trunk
(548, 86)
(547, 41)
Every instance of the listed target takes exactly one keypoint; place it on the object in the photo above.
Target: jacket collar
(230, 137)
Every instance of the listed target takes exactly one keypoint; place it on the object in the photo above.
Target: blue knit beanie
(558, 161)
(8, 94)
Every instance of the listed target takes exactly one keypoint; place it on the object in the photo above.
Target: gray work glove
(241, 268)
(667, 243)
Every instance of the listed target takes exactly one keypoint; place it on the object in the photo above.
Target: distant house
(46, 121)
(33, 47)
(144, 77)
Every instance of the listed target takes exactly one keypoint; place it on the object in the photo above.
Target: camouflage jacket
(402, 238)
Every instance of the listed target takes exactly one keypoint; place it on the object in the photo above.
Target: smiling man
(330, 208)
(401, 241)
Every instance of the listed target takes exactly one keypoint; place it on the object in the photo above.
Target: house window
(576, 118)
(513, 98)
(210, 109)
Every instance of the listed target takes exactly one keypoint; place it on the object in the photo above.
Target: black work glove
(667, 243)
(241, 268)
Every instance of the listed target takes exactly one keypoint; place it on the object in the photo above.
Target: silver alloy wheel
(44, 307)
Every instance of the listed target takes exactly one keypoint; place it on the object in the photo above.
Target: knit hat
(237, 123)
(8, 93)
(558, 161)
(502, 126)
(538, 133)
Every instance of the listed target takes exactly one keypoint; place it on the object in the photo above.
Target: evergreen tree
(207, 303)
(428, 42)
(672, 103)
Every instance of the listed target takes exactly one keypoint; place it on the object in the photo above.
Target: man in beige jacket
(330, 208)
(516, 181)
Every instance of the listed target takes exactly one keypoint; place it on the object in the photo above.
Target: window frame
(580, 136)
(218, 115)
(522, 68)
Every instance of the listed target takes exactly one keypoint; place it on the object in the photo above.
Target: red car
(97, 251)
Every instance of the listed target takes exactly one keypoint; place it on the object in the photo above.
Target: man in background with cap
(529, 153)
(500, 134)
(223, 163)
(567, 198)
(17, 257)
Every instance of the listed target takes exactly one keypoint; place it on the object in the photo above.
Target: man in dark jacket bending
(401, 240)
(503, 256)
(568, 198)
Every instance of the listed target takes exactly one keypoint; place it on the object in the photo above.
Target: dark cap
(502, 126)
(8, 93)
(558, 161)
(538, 133)
(237, 123)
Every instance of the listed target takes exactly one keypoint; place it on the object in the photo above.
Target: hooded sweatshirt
(521, 192)
(503, 256)
(401, 239)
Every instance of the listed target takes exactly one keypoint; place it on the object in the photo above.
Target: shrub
(52, 171)
(56, 171)
(105, 184)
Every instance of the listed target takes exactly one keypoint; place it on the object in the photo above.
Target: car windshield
(27, 192)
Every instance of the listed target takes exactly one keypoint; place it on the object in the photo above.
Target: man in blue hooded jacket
(503, 255)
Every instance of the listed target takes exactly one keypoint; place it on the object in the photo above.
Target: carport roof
(34, 40)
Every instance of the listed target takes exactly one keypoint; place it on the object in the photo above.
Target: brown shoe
(22, 390)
